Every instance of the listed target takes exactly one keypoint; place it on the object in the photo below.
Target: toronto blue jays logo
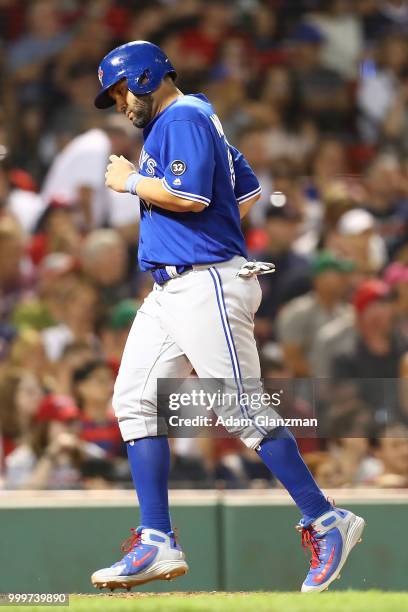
(146, 161)
(149, 165)
(100, 75)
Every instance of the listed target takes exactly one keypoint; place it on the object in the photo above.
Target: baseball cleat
(330, 539)
(150, 555)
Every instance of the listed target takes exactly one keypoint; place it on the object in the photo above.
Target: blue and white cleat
(150, 555)
(330, 538)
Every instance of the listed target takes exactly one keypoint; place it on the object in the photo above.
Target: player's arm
(246, 207)
(187, 159)
(247, 188)
(152, 190)
(119, 175)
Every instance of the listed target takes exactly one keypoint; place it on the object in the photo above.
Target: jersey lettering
(150, 166)
(218, 126)
(150, 163)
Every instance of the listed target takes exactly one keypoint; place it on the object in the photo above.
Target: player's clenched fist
(118, 172)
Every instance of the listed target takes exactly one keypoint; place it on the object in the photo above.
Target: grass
(348, 601)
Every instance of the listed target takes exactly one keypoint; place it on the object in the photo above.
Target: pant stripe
(223, 321)
(230, 341)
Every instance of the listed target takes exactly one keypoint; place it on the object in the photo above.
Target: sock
(149, 460)
(281, 455)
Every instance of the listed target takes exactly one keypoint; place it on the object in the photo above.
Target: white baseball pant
(201, 320)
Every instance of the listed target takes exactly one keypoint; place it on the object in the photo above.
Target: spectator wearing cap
(375, 354)
(50, 455)
(358, 240)
(93, 388)
(292, 276)
(59, 408)
(300, 320)
(115, 330)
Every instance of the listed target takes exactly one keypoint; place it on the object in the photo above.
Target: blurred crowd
(315, 94)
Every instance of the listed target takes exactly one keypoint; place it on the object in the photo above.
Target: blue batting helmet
(143, 64)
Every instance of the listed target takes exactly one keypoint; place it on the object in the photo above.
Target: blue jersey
(185, 147)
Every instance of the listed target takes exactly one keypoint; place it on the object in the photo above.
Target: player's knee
(132, 405)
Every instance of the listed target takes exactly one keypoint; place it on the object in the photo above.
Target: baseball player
(194, 187)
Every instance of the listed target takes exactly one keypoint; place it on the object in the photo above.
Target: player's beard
(143, 111)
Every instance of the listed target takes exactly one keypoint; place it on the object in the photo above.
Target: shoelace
(131, 541)
(310, 542)
(136, 539)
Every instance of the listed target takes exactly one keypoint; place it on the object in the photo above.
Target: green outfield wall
(51, 542)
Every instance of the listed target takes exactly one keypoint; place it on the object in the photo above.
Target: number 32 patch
(178, 167)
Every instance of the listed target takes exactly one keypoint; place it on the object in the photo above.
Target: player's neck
(167, 100)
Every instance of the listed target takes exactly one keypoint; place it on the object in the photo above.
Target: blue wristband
(132, 182)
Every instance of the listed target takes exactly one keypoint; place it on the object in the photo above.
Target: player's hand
(117, 173)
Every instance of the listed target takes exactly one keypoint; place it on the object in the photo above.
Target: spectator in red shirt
(93, 388)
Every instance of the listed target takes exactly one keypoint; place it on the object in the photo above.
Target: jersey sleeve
(246, 184)
(187, 157)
